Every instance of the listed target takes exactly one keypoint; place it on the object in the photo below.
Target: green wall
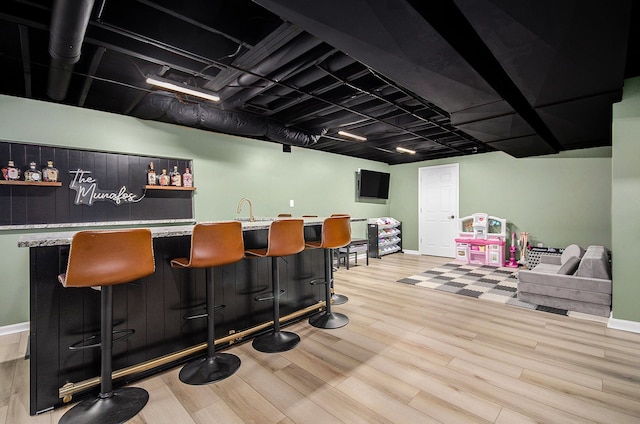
(225, 169)
(558, 200)
(626, 203)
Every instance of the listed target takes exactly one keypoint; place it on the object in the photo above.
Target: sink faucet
(251, 218)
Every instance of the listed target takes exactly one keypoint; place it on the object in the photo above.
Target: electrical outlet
(291, 203)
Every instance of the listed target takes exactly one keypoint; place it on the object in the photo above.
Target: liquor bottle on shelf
(32, 174)
(151, 175)
(50, 174)
(10, 172)
(187, 178)
(176, 178)
(164, 179)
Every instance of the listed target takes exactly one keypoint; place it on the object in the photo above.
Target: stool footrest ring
(268, 297)
(81, 344)
(202, 312)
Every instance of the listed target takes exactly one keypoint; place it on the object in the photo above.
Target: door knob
(452, 216)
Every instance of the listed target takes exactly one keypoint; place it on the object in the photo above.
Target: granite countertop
(141, 223)
(64, 237)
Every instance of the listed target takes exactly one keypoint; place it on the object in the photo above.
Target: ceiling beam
(447, 19)
(26, 59)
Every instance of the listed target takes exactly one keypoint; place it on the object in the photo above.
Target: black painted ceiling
(444, 78)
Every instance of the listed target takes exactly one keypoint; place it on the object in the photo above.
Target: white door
(438, 209)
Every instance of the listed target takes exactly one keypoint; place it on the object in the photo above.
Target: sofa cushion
(571, 251)
(563, 281)
(595, 263)
(543, 268)
(570, 266)
(578, 294)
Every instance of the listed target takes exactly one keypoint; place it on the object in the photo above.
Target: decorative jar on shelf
(50, 174)
(10, 172)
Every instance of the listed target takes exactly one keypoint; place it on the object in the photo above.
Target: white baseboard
(624, 325)
(14, 328)
(410, 252)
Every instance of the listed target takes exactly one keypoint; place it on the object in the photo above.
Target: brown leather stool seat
(286, 237)
(212, 244)
(336, 233)
(106, 258)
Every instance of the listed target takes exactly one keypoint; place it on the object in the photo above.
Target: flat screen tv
(373, 184)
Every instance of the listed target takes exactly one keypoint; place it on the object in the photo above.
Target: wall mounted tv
(373, 184)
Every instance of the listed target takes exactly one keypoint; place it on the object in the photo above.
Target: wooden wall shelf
(31, 183)
(159, 187)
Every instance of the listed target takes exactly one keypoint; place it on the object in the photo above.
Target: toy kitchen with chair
(481, 240)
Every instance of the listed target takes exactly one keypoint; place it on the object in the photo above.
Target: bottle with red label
(151, 175)
(164, 179)
(50, 174)
(187, 178)
(10, 172)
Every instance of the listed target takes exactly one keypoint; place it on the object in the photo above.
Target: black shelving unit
(384, 239)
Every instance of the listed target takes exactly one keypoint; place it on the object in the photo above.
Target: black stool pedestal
(214, 366)
(277, 340)
(209, 369)
(111, 406)
(328, 319)
(124, 404)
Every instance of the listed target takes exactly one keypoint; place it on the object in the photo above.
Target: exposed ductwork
(161, 107)
(69, 20)
(457, 77)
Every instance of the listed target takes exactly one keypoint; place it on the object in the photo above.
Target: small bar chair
(338, 299)
(286, 237)
(336, 233)
(212, 244)
(104, 259)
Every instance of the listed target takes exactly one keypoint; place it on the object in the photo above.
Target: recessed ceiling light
(170, 85)
(403, 150)
(354, 136)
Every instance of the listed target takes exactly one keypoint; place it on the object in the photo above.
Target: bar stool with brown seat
(212, 244)
(285, 238)
(336, 233)
(106, 258)
(337, 299)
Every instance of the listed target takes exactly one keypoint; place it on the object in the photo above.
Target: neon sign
(87, 191)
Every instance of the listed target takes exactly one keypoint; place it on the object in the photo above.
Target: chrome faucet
(251, 218)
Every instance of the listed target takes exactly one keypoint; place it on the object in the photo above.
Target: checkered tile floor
(482, 282)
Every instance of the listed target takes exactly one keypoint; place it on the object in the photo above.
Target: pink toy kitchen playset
(481, 240)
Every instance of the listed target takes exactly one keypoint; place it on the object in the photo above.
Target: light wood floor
(408, 355)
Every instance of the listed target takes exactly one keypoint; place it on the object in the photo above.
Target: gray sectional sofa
(577, 281)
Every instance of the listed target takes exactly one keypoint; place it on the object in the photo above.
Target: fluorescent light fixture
(170, 85)
(403, 150)
(355, 137)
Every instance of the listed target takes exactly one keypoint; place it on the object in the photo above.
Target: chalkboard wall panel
(112, 172)
(64, 198)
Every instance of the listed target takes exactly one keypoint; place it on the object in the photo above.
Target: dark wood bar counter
(155, 308)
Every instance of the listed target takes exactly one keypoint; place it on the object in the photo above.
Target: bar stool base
(339, 299)
(119, 408)
(329, 320)
(274, 342)
(208, 369)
